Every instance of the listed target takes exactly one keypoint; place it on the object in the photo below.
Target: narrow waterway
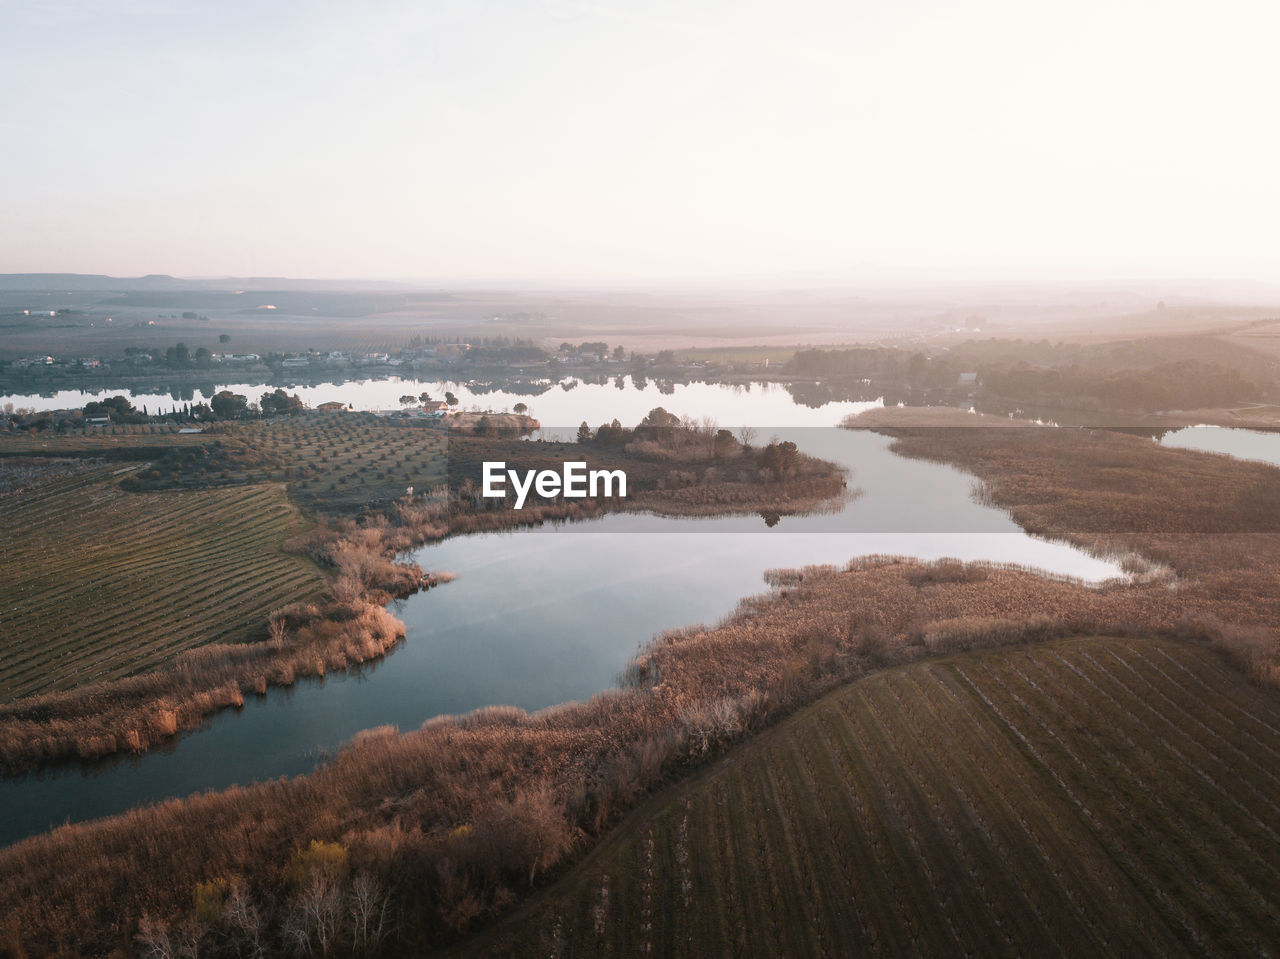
(1241, 444)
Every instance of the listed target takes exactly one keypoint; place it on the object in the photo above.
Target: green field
(97, 583)
(1102, 797)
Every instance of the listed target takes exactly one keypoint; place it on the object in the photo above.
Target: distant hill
(96, 282)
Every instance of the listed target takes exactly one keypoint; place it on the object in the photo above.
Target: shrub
(320, 858)
(948, 571)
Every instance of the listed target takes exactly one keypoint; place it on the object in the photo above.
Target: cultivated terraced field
(105, 440)
(1088, 797)
(340, 462)
(97, 583)
(334, 462)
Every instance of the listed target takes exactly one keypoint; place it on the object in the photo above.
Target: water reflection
(1242, 444)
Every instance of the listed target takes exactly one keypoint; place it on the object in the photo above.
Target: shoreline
(353, 626)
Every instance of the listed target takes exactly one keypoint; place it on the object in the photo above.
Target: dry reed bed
(805, 494)
(135, 713)
(1213, 521)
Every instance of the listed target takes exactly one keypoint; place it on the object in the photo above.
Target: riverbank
(348, 625)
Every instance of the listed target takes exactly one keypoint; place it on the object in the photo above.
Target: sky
(641, 142)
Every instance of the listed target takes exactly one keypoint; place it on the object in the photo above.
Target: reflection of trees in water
(521, 386)
(817, 395)
(893, 395)
(1119, 423)
(812, 395)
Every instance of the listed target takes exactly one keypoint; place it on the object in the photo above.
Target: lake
(545, 615)
(1242, 444)
(563, 403)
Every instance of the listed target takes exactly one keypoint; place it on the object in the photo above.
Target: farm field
(118, 440)
(97, 583)
(333, 462)
(341, 462)
(1088, 796)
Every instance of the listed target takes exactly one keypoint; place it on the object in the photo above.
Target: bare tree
(362, 561)
(709, 722)
(296, 933)
(345, 589)
(312, 924)
(276, 632)
(367, 903)
(154, 939)
(322, 905)
(707, 431)
(190, 936)
(244, 920)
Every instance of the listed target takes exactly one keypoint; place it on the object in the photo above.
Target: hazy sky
(648, 140)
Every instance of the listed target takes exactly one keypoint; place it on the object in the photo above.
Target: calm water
(564, 402)
(1242, 444)
(560, 406)
(551, 614)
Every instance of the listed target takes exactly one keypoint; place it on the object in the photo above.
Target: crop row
(98, 583)
(1108, 796)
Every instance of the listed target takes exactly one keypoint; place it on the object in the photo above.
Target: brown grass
(1211, 522)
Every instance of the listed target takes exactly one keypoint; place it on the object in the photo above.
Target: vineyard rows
(97, 583)
(1098, 796)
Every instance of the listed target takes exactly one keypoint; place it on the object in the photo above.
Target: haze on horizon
(600, 141)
